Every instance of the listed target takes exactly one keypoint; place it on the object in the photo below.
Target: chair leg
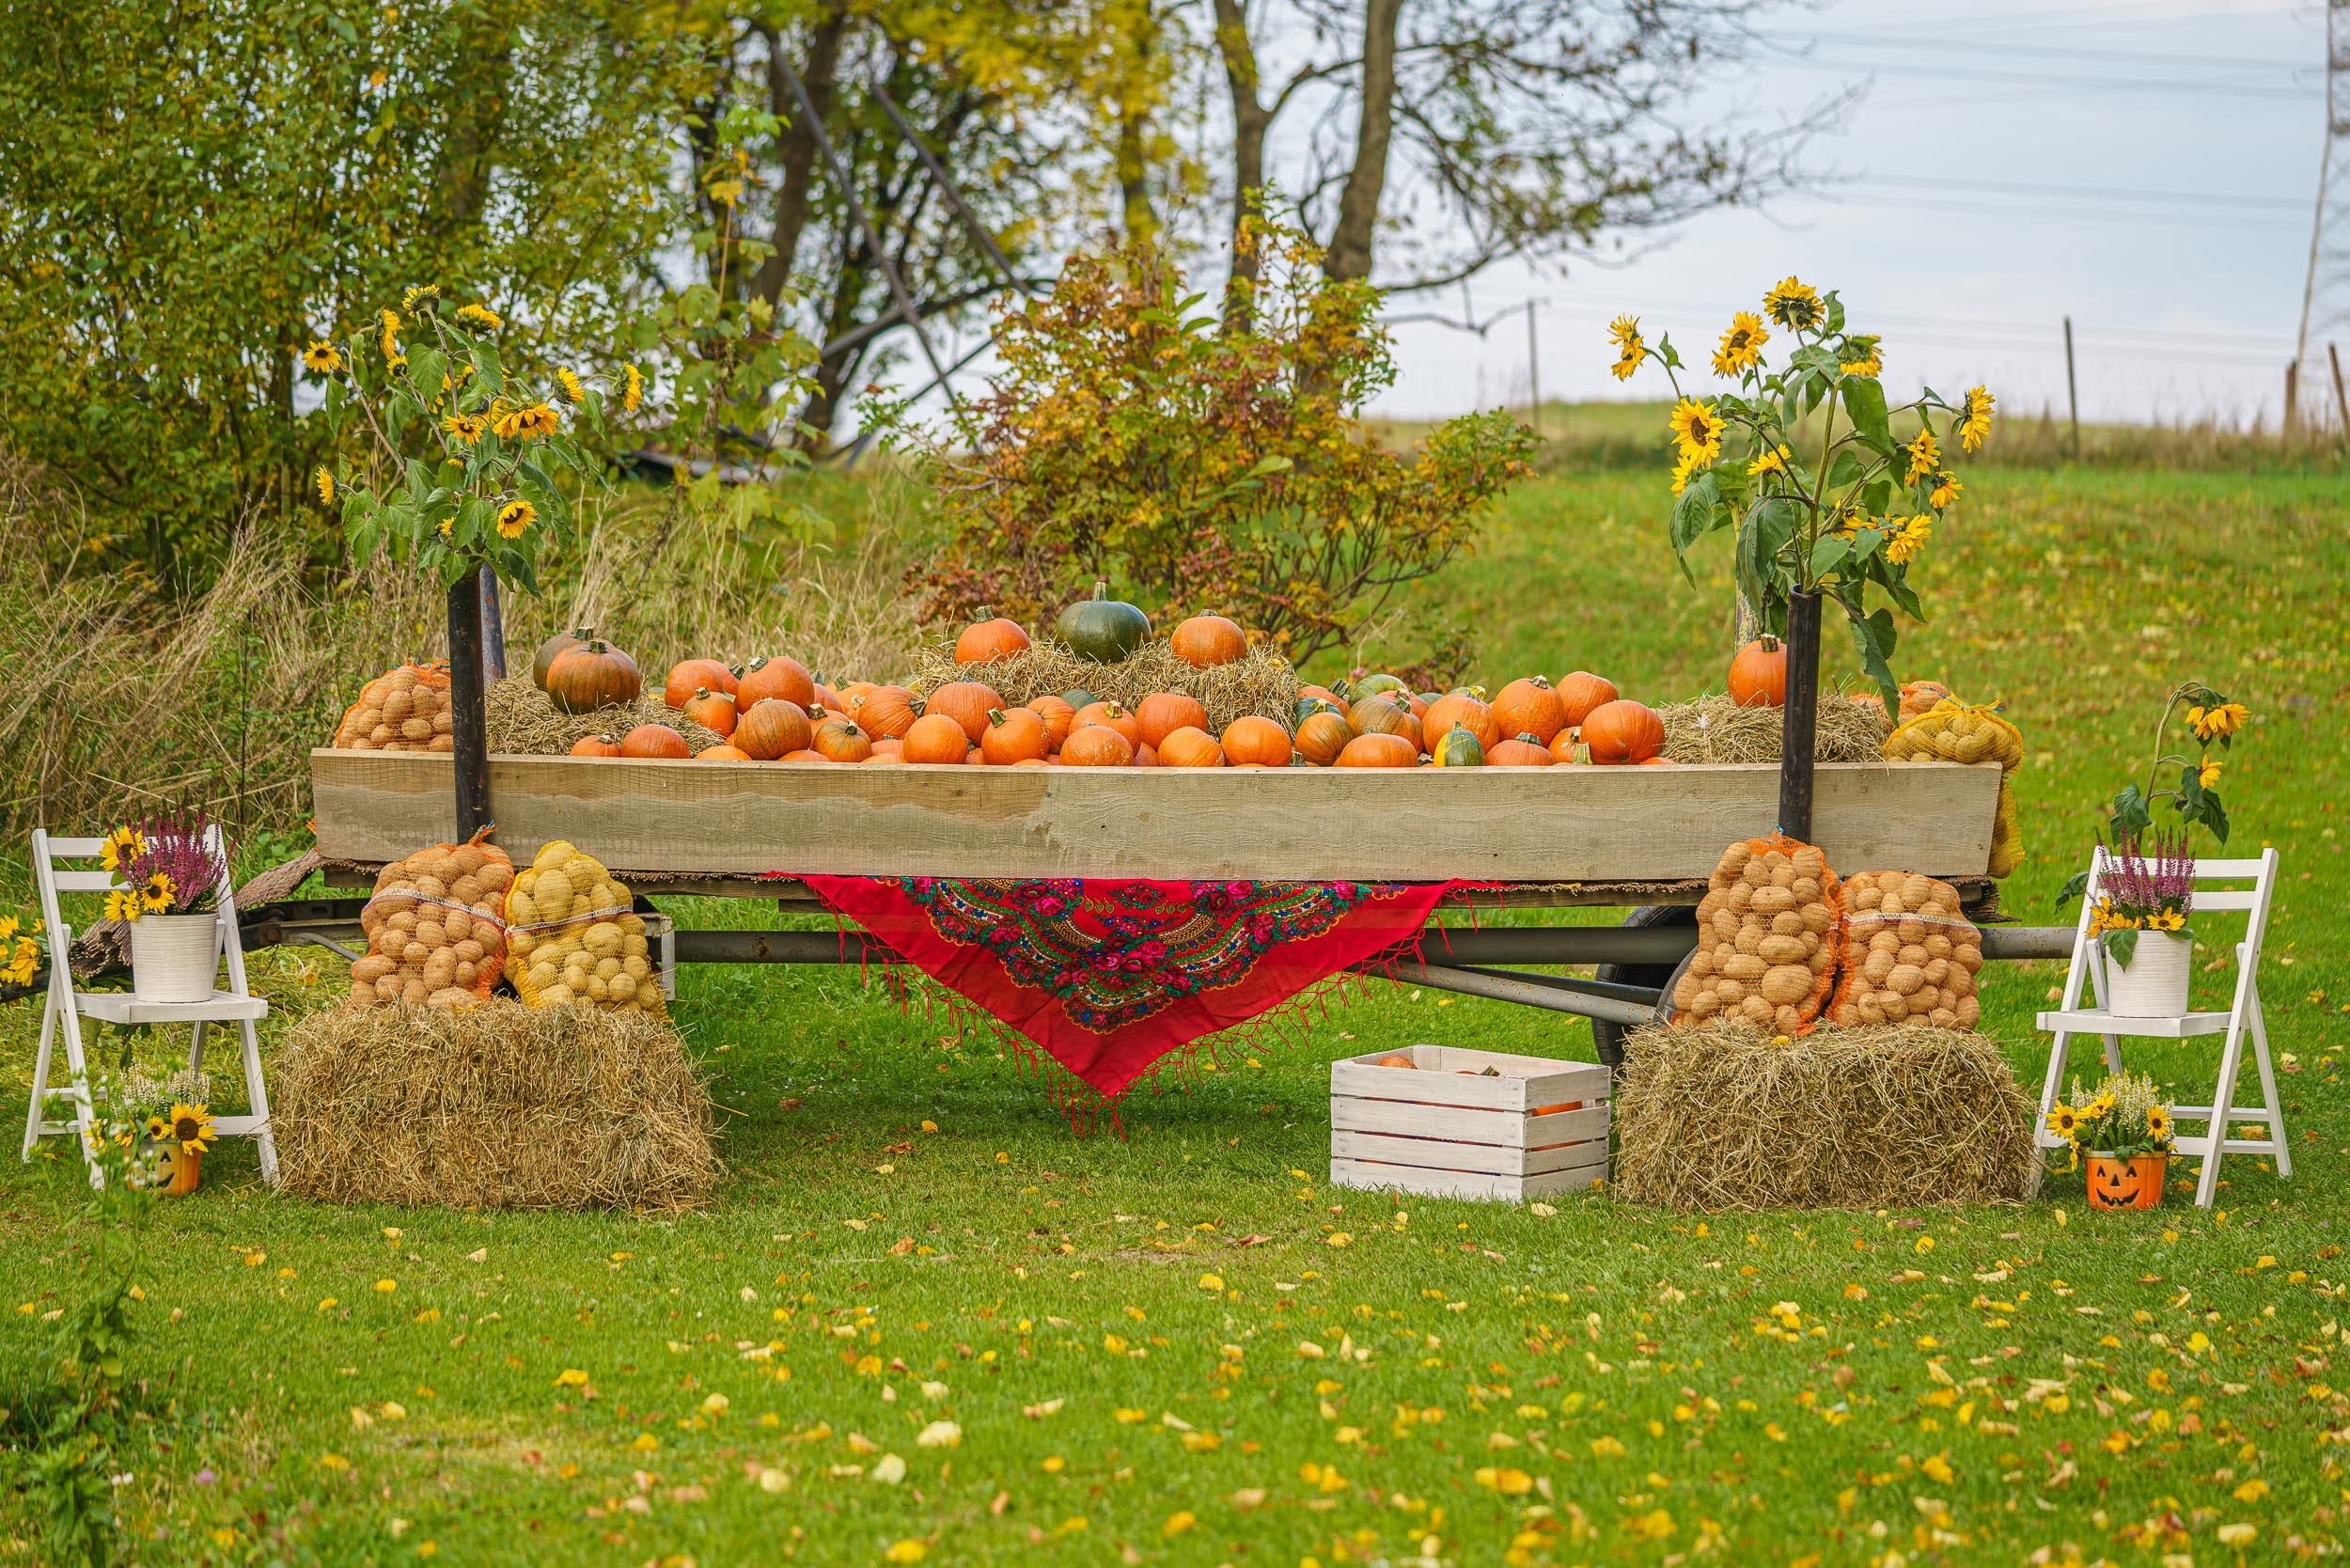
(196, 1048)
(36, 1112)
(2054, 1084)
(84, 1112)
(2222, 1102)
(2269, 1088)
(257, 1101)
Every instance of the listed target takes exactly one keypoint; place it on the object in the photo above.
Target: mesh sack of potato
(1766, 938)
(436, 933)
(1909, 954)
(576, 939)
(402, 709)
(1953, 732)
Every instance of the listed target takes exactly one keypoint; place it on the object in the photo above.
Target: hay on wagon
(494, 1106)
(1261, 683)
(1713, 728)
(1719, 1116)
(521, 719)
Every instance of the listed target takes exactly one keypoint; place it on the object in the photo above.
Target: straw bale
(1715, 729)
(521, 719)
(1263, 683)
(1723, 1116)
(494, 1106)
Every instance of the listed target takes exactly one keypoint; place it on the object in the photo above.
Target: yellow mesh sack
(574, 938)
(436, 931)
(407, 709)
(1909, 955)
(1953, 732)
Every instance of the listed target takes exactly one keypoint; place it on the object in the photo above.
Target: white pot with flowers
(168, 875)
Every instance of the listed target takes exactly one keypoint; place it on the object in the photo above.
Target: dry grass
(1718, 1116)
(521, 719)
(495, 1107)
(1715, 729)
(1263, 683)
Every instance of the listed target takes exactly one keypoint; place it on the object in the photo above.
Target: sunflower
(2158, 1123)
(122, 905)
(160, 894)
(2064, 1121)
(1697, 430)
(326, 488)
(2217, 722)
(1925, 455)
(572, 391)
(2167, 919)
(447, 526)
(1868, 357)
(514, 519)
(1689, 467)
(482, 314)
(21, 966)
(1624, 331)
(1741, 345)
(190, 1127)
(1974, 417)
(156, 1127)
(9, 924)
(2208, 774)
(122, 846)
(389, 339)
(1946, 489)
(632, 389)
(417, 293)
(463, 429)
(1773, 460)
(522, 423)
(1906, 539)
(323, 358)
(1795, 304)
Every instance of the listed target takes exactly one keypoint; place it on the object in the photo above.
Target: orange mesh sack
(576, 939)
(405, 710)
(1910, 955)
(1953, 732)
(1766, 938)
(436, 934)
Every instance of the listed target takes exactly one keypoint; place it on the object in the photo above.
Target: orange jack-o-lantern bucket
(2131, 1184)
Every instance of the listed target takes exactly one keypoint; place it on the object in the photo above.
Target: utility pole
(2326, 295)
(2071, 388)
(2342, 400)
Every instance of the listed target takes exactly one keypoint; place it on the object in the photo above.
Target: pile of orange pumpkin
(774, 709)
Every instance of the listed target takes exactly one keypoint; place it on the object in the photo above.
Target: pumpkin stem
(1770, 643)
(1100, 589)
(995, 717)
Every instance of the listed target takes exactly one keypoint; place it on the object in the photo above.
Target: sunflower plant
(1842, 512)
(2196, 722)
(2124, 1119)
(464, 457)
(22, 948)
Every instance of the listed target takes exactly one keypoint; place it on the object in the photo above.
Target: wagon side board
(1569, 823)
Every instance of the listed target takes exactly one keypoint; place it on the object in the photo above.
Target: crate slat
(1437, 1154)
(1466, 1124)
(1456, 1184)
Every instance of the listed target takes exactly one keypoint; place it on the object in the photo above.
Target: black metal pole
(492, 629)
(1799, 734)
(468, 706)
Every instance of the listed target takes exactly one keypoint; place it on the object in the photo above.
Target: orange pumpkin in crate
(1378, 750)
(1624, 731)
(1111, 715)
(1206, 641)
(1581, 692)
(1468, 712)
(1386, 715)
(593, 675)
(935, 738)
(1162, 714)
(1758, 676)
(990, 639)
(784, 679)
(1012, 735)
(713, 711)
(841, 740)
(1521, 751)
(654, 740)
(883, 711)
(1253, 740)
(967, 703)
(772, 728)
(1188, 747)
(1096, 745)
(721, 753)
(595, 745)
(688, 676)
(1322, 736)
(1059, 716)
(1530, 707)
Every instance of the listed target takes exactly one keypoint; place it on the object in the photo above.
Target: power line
(2134, 14)
(2037, 51)
(2072, 84)
(2092, 193)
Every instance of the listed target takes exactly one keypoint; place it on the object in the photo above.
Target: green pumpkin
(1476, 692)
(1372, 685)
(1308, 706)
(1080, 698)
(1459, 749)
(1103, 627)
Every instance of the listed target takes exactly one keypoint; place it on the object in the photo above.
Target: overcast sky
(2146, 166)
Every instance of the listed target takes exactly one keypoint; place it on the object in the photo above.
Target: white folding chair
(67, 1007)
(2242, 1016)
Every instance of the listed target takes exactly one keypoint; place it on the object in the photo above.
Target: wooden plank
(1453, 1184)
(1507, 1129)
(1515, 825)
(1438, 1154)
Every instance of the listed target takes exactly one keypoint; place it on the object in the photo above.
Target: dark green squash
(1372, 685)
(1308, 706)
(1460, 748)
(1103, 627)
(1080, 698)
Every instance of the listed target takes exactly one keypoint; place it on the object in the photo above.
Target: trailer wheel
(1608, 1036)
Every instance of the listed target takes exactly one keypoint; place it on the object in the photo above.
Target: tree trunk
(796, 145)
(472, 134)
(1140, 222)
(1250, 121)
(1349, 253)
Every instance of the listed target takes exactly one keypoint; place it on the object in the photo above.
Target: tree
(1507, 128)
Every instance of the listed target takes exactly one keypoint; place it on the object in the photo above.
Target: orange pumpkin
(883, 711)
(826, 696)
(990, 639)
(935, 738)
(654, 740)
(841, 740)
(1109, 713)
(1012, 735)
(1464, 711)
(785, 679)
(1658, 763)
(1377, 749)
(595, 745)
(772, 727)
(1624, 731)
(1188, 747)
(1396, 1059)
(885, 745)
(805, 754)
(1521, 751)
(1206, 641)
(1530, 707)
(688, 676)
(967, 703)
(1385, 715)
(1562, 746)
(1059, 717)
(713, 711)
(1162, 714)
(1322, 737)
(1758, 676)
(1146, 757)
(1251, 740)
(1581, 692)
(1096, 745)
(593, 675)
(721, 753)
(883, 759)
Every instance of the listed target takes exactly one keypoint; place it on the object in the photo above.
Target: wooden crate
(1283, 824)
(1436, 1131)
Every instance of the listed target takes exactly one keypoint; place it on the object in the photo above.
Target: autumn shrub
(1202, 466)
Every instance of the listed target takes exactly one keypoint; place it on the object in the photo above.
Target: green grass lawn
(1183, 1346)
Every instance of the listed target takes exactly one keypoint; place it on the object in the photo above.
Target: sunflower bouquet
(1830, 491)
(162, 866)
(2124, 1119)
(463, 456)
